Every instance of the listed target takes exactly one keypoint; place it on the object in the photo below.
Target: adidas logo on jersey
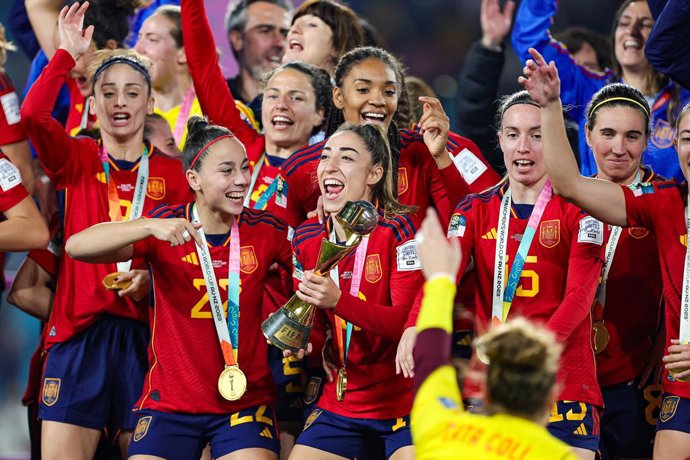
(191, 258)
(581, 430)
(266, 433)
(684, 240)
(490, 235)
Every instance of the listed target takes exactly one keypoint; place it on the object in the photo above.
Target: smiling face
(617, 140)
(310, 40)
(156, 43)
(345, 171)
(223, 178)
(121, 101)
(683, 143)
(520, 139)
(631, 34)
(288, 110)
(369, 93)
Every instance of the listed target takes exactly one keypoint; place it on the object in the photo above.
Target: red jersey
(11, 130)
(185, 357)
(660, 208)
(73, 165)
(558, 281)
(633, 304)
(420, 183)
(11, 189)
(77, 105)
(390, 281)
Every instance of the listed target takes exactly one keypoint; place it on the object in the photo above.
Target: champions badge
(155, 188)
(668, 408)
(372, 269)
(402, 180)
(142, 428)
(550, 233)
(51, 391)
(248, 263)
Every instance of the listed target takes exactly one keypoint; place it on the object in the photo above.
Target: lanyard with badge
(684, 332)
(504, 290)
(115, 212)
(601, 333)
(343, 343)
(277, 186)
(232, 382)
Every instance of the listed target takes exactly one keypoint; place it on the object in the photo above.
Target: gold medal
(601, 336)
(232, 383)
(341, 384)
(110, 283)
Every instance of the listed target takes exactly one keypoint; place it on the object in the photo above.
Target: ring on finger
(186, 235)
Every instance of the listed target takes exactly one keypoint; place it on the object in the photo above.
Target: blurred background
(431, 37)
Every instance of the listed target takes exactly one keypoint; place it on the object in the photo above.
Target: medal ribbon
(684, 333)
(183, 115)
(228, 332)
(114, 211)
(611, 246)
(266, 196)
(503, 296)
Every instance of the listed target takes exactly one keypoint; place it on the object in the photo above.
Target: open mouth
(295, 45)
(372, 117)
(121, 119)
(280, 122)
(632, 44)
(332, 188)
(523, 165)
(235, 196)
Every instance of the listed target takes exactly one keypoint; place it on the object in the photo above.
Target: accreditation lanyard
(360, 256)
(228, 332)
(611, 246)
(114, 211)
(504, 290)
(684, 334)
(183, 115)
(267, 194)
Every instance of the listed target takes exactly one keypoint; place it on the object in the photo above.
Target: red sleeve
(456, 187)
(294, 212)
(584, 270)
(11, 189)
(141, 249)
(437, 190)
(11, 130)
(471, 164)
(640, 206)
(45, 259)
(62, 157)
(212, 90)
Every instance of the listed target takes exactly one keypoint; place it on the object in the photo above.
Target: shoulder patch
(642, 189)
(448, 403)
(9, 175)
(408, 259)
(10, 105)
(457, 225)
(591, 231)
(469, 165)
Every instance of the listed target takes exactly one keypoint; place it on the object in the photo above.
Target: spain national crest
(155, 189)
(402, 180)
(550, 233)
(372, 269)
(662, 134)
(312, 417)
(312, 390)
(638, 232)
(668, 408)
(248, 262)
(51, 391)
(142, 428)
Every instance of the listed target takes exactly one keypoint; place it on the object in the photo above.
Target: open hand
(73, 37)
(495, 23)
(434, 126)
(541, 79)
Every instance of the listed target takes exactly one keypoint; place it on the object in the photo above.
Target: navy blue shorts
(95, 379)
(348, 437)
(628, 420)
(291, 379)
(576, 424)
(184, 436)
(316, 379)
(462, 344)
(674, 413)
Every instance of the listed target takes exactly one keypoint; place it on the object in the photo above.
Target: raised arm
(213, 93)
(43, 15)
(668, 46)
(603, 200)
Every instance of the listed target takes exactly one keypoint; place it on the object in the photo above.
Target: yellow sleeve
(437, 305)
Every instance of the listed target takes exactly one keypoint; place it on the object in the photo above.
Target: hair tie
(205, 147)
(619, 98)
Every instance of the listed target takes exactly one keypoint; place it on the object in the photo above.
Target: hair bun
(195, 125)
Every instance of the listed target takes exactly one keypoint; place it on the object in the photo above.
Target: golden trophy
(290, 326)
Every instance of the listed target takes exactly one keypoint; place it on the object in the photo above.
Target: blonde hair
(523, 361)
(5, 46)
(103, 57)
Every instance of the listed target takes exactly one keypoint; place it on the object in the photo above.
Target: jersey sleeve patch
(9, 175)
(591, 231)
(457, 226)
(408, 259)
(10, 105)
(642, 189)
(298, 271)
(470, 167)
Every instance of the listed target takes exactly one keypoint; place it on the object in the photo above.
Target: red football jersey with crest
(558, 281)
(185, 357)
(420, 183)
(74, 165)
(11, 130)
(11, 189)
(390, 281)
(660, 208)
(632, 310)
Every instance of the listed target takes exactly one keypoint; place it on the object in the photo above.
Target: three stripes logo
(191, 258)
(581, 430)
(490, 235)
(266, 433)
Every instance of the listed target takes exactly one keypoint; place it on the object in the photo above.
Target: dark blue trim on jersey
(301, 157)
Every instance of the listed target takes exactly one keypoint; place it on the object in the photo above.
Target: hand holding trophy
(290, 326)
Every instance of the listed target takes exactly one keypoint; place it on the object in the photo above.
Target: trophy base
(285, 333)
